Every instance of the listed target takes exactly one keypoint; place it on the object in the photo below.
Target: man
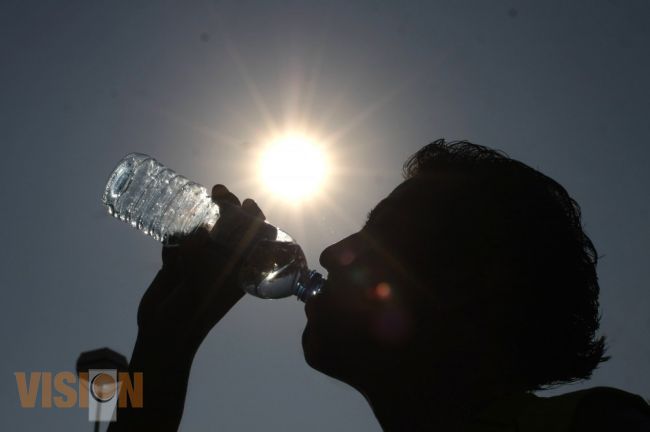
(471, 285)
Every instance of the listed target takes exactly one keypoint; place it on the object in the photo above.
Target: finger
(196, 238)
(220, 193)
(251, 207)
(260, 229)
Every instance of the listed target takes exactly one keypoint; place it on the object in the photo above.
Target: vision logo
(100, 390)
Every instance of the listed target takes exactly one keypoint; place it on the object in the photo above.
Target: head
(476, 262)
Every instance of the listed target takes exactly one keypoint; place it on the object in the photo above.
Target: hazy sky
(562, 86)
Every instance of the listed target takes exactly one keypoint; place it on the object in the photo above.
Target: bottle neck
(312, 286)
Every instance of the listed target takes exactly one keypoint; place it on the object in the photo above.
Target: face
(366, 317)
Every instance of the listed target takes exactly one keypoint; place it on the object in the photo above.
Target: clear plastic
(160, 203)
(276, 269)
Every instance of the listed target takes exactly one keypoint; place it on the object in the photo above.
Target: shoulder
(608, 409)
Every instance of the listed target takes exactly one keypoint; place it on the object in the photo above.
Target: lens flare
(382, 291)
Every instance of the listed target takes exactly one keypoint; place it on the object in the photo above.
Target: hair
(527, 242)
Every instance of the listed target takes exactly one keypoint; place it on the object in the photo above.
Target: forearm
(165, 372)
(193, 291)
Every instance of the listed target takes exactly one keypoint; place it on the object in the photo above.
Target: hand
(195, 288)
(197, 284)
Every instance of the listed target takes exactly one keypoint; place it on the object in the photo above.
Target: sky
(200, 85)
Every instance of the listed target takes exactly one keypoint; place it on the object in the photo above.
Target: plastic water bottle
(160, 203)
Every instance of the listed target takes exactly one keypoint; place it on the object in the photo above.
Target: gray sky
(562, 86)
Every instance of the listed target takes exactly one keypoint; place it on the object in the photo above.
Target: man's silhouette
(470, 286)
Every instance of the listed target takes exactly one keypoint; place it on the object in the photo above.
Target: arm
(192, 292)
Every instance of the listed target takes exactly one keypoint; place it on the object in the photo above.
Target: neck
(431, 404)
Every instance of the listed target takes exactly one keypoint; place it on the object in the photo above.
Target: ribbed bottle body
(157, 201)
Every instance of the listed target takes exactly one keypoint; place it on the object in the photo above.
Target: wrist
(153, 355)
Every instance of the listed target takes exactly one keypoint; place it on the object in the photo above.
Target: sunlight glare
(293, 166)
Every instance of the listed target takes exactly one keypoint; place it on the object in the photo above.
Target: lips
(311, 302)
(309, 306)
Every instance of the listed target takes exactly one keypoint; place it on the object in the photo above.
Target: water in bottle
(160, 203)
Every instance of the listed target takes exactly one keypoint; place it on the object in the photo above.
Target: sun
(293, 166)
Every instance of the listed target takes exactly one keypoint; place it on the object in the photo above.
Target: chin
(316, 355)
(324, 358)
(310, 347)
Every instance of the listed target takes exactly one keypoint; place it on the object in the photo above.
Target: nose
(340, 254)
